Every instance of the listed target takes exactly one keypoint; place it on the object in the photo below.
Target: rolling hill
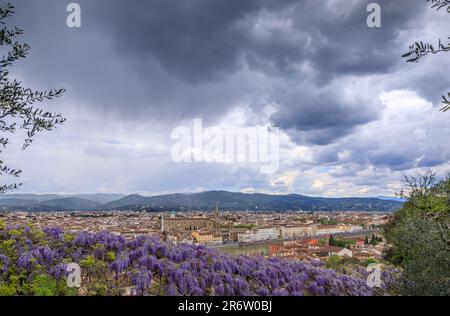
(196, 201)
(251, 202)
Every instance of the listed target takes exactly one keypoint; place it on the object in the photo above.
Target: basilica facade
(183, 224)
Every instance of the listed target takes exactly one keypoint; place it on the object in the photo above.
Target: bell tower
(216, 217)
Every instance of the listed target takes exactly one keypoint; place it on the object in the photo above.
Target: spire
(216, 211)
(216, 217)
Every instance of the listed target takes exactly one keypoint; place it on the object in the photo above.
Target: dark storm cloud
(169, 60)
(201, 40)
(396, 161)
(320, 118)
(196, 40)
(335, 40)
(339, 45)
(127, 59)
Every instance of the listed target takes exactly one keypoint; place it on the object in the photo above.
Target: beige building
(183, 224)
(207, 238)
(186, 224)
(298, 231)
(333, 229)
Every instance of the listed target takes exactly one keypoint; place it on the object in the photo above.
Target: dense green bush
(420, 237)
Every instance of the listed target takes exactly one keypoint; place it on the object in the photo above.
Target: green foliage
(371, 260)
(333, 261)
(7, 290)
(96, 272)
(420, 49)
(350, 261)
(111, 256)
(88, 262)
(422, 243)
(325, 221)
(427, 195)
(374, 240)
(340, 243)
(17, 281)
(43, 285)
(446, 102)
(420, 237)
(331, 240)
(439, 4)
(69, 237)
(17, 104)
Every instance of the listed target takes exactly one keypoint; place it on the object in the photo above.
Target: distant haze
(196, 201)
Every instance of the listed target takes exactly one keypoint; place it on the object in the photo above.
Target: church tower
(216, 217)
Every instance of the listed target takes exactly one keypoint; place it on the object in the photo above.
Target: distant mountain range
(195, 201)
(391, 198)
(100, 198)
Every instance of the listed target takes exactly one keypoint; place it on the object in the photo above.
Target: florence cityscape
(207, 148)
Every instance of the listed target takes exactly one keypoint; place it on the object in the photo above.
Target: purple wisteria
(111, 265)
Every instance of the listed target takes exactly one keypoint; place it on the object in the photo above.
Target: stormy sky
(354, 117)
